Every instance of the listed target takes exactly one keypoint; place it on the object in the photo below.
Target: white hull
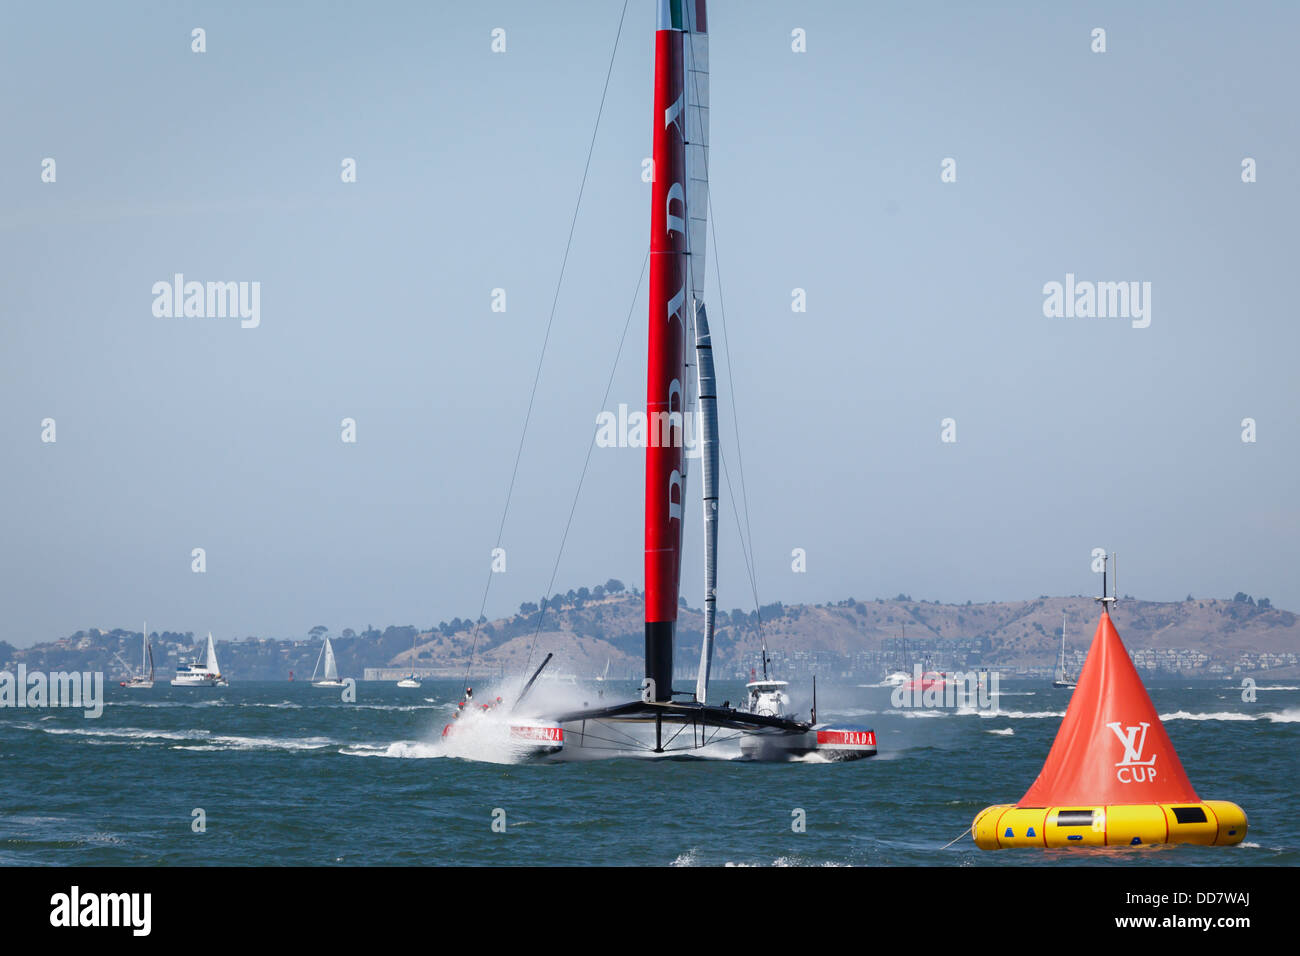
(408, 682)
(608, 739)
(198, 682)
(493, 737)
(137, 684)
(328, 683)
(843, 743)
(604, 739)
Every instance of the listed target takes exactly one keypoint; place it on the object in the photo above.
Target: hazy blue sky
(924, 301)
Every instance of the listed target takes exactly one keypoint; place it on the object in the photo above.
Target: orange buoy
(1112, 776)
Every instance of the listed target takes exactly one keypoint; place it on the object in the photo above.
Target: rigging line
(631, 743)
(612, 729)
(537, 376)
(749, 567)
(960, 836)
(609, 384)
(735, 424)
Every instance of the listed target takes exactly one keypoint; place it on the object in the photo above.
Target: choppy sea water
(289, 774)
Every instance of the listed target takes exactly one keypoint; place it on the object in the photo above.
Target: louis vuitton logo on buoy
(1132, 768)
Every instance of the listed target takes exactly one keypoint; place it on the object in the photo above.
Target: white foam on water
(225, 742)
(1289, 716)
(392, 707)
(127, 733)
(1218, 715)
(785, 861)
(402, 749)
(689, 858)
(284, 704)
(133, 702)
(813, 756)
(483, 736)
(1004, 732)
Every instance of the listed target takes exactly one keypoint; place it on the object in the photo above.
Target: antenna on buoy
(1108, 599)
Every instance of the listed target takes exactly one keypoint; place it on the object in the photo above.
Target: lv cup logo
(1132, 768)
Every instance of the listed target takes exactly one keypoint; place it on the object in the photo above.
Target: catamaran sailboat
(1063, 678)
(330, 677)
(189, 673)
(139, 681)
(665, 720)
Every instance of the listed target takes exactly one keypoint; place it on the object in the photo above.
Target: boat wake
(402, 749)
(194, 740)
(223, 742)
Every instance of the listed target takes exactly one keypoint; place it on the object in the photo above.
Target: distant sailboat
(330, 677)
(139, 681)
(899, 678)
(189, 673)
(409, 680)
(1063, 679)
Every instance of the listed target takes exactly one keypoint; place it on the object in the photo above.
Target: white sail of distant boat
(140, 681)
(189, 673)
(410, 680)
(330, 676)
(1063, 679)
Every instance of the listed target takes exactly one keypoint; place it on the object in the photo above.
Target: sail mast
(669, 316)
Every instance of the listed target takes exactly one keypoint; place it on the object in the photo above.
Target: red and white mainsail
(679, 208)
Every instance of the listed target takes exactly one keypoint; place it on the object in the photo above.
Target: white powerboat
(190, 673)
(768, 698)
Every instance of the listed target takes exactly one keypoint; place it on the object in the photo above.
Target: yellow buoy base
(1209, 823)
